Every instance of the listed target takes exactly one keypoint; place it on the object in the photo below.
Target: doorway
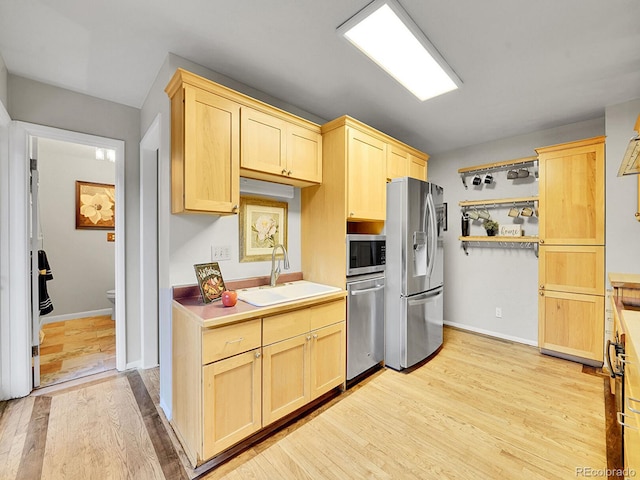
(24, 336)
(74, 194)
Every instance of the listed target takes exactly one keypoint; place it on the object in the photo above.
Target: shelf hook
(464, 181)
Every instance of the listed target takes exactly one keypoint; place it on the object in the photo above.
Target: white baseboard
(462, 326)
(72, 316)
(166, 409)
(136, 364)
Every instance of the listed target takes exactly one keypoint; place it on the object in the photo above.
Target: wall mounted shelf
(498, 201)
(505, 242)
(489, 167)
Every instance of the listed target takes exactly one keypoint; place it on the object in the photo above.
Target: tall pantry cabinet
(571, 264)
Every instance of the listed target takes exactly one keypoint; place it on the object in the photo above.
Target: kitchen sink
(286, 292)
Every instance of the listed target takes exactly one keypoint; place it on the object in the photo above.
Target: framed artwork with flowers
(263, 225)
(95, 205)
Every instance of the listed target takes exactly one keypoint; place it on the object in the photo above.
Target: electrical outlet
(498, 312)
(219, 253)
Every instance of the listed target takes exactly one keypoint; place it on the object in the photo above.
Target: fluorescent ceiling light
(386, 34)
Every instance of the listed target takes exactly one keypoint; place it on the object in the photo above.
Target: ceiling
(525, 65)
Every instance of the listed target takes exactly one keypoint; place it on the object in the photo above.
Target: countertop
(624, 280)
(215, 314)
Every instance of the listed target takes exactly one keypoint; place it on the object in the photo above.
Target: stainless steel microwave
(365, 254)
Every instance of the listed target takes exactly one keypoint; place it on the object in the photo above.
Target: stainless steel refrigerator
(414, 283)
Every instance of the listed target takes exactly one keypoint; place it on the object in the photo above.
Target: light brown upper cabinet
(572, 193)
(404, 163)
(205, 141)
(286, 151)
(218, 134)
(366, 166)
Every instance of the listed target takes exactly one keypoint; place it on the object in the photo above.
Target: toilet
(111, 296)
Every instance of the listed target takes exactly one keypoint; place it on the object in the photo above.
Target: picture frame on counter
(263, 225)
(210, 282)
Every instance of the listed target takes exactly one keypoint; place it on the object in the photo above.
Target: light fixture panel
(388, 36)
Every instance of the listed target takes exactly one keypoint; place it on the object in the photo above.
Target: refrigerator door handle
(434, 234)
(426, 299)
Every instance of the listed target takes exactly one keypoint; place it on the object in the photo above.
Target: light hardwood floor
(481, 408)
(77, 348)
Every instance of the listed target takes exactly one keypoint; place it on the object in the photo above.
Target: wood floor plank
(34, 445)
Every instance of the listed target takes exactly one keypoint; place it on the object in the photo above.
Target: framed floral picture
(95, 205)
(263, 225)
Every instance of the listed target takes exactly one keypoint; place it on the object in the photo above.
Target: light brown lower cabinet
(571, 324)
(631, 420)
(231, 381)
(232, 399)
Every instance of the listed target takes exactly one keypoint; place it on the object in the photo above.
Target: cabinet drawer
(223, 342)
(285, 325)
(327, 314)
(575, 269)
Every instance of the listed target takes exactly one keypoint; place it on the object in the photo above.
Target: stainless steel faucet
(275, 272)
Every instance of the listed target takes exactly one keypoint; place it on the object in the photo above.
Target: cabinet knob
(541, 287)
(234, 208)
(541, 240)
(257, 354)
(289, 172)
(308, 337)
(542, 294)
(637, 214)
(315, 335)
(284, 171)
(351, 214)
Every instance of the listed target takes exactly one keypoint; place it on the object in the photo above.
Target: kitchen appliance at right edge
(414, 283)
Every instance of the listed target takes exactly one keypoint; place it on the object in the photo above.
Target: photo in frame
(95, 205)
(263, 225)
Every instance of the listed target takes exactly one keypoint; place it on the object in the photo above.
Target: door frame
(18, 245)
(149, 286)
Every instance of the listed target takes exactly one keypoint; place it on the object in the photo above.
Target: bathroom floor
(76, 348)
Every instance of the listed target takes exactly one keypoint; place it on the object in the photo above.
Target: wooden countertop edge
(244, 311)
(624, 280)
(630, 320)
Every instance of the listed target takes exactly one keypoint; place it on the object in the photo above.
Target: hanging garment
(46, 306)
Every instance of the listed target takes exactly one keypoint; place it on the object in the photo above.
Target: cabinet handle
(284, 170)
(542, 294)
(637, 214)
(257, 354)
(235, 207)
(289, 172)
(315, 335)
(351, 214)
(542, 240)
(541, 287)
(635, 400)
(620, 415)
(238, 340)
(308, 337)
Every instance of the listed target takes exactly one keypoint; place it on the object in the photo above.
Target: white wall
(495, 277)
(623, 230)
(3, 82)
(186, 239)
(82, 261)
(42, 104)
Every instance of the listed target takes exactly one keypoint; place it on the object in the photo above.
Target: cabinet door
(397, 162)
(571, 324)
(285, 377)
(418, 168)
(304, 154)
(366, 174)
(211, 152)
(328, 361)
(572, 193)
(263, 142)
(575, 269)
(231, 401)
